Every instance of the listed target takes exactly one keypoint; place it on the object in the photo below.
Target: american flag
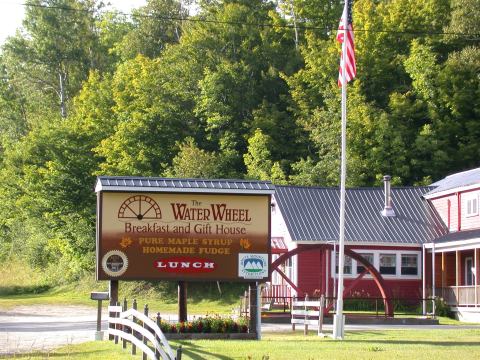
(350, 67)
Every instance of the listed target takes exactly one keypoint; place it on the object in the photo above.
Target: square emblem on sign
(252, 266)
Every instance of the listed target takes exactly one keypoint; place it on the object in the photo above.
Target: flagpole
(339, 318)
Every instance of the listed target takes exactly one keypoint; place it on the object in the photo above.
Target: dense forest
(231, 89)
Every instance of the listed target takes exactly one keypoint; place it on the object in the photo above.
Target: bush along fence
(132, 326)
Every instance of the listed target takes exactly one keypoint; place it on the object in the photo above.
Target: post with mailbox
(99, 296)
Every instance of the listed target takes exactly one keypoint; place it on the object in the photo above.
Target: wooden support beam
(113, 294)
(476, 253)
(252, 323)
(444, 270)
(457, 268)
(182, 301)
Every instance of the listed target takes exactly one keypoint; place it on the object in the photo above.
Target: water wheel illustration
(139, 207)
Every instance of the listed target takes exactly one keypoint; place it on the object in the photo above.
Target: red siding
(441, 205)
(471, 222)
(450, 269)
(458, 219)
(401, 289)
(310, 271)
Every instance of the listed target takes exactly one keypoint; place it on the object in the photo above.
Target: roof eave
(267, 188)
(359, 243)
(438, 194)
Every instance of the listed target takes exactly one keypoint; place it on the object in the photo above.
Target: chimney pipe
(388, 209)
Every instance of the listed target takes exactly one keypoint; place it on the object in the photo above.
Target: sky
(12, 11)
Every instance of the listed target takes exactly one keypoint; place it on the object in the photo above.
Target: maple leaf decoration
(245, 243)
(126, 242)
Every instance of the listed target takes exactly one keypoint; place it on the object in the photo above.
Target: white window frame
(395, 257)
(376, 263)
(469, 200)
(401, 266)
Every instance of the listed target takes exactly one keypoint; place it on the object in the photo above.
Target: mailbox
(99, 296)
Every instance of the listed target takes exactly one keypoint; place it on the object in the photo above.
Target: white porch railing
(278, 293)
(460, 295)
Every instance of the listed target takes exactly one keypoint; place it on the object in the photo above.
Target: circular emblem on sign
(115, 263)
(139, 207)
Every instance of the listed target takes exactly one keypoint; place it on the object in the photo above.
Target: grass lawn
(61, 296)
(389, 344)
(71, 295)
(20, 286)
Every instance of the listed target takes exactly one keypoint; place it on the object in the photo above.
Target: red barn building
(399, 232)
(386, 230)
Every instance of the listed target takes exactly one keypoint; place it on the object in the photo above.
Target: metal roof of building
(312, 214)
(465, 178)
(459, 236)
(151, 184)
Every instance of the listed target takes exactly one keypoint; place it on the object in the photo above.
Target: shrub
(208, 324)
(442, 309)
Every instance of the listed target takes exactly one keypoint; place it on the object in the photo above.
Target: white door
(469, 271)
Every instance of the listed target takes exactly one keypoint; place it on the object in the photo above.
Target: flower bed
(206, 325)
(211, 336)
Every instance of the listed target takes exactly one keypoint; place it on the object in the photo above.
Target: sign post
(182, 301)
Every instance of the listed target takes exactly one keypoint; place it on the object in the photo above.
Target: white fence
(125, 325)
(308, 312)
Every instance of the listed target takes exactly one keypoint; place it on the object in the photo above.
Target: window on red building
(368, 257)
(409, 264)
(388, 264)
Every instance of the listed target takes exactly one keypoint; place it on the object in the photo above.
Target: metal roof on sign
(312, 214)
(150, 184)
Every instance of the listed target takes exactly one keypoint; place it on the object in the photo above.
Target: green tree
(258, 159)
(193, 162)
(151, 118)
(51, 210)
(57, 49)
(154, 26)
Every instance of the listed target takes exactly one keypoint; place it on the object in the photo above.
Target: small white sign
(252, 266)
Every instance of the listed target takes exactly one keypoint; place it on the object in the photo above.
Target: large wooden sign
(183, 236)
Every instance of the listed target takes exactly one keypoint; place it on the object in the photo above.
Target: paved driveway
(42, 328)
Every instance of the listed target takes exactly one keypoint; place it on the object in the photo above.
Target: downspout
(424, 283)
(459, 211)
